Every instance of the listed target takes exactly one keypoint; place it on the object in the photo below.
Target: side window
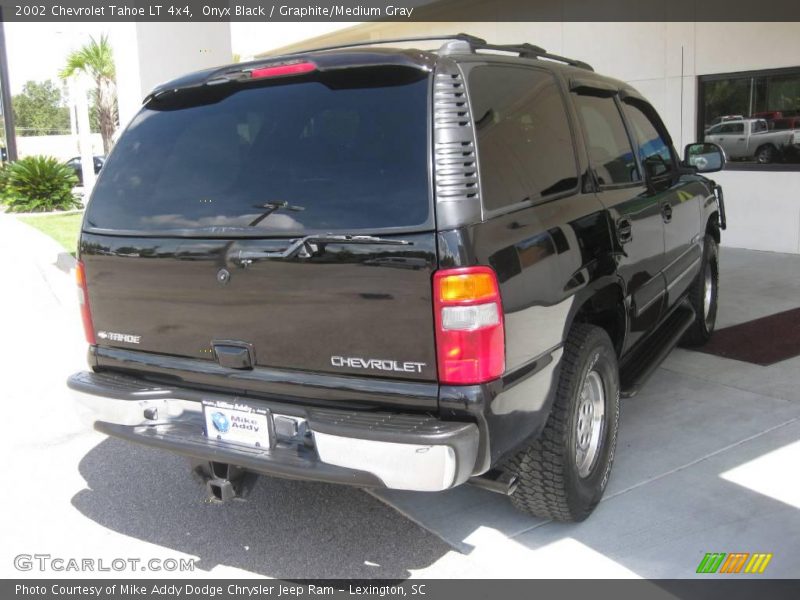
(732, 128)
(759, 126)
(524, 140)
(654, 151)
(609, 148)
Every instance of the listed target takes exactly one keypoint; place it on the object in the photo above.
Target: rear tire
(563, 473)
(703, 297)
(765, 154)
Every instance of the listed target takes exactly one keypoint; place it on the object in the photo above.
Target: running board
(635, 372)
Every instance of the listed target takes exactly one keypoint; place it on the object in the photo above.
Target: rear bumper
(363, 448)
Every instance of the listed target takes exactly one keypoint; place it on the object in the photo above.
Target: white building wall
(663, 61)
(148, 54)
(763, 210)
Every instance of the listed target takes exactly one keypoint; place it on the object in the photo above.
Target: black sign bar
(730, 588)
(399, 10)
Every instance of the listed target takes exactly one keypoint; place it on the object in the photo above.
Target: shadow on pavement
(698, 469)
(285, 529)
(664, 528)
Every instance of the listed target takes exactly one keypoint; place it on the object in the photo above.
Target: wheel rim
(589, 425)
(708, 292)
(708, 296)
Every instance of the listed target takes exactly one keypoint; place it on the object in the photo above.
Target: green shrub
(39, 184)
(4, 171)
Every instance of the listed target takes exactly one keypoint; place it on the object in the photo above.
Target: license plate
(237, 423)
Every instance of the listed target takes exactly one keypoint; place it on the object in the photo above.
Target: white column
(147, 54)
(79, 90)
(126, 59)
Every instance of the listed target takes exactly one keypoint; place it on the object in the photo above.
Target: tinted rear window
(322, 154)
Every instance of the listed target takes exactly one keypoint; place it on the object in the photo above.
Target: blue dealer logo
(220, 421)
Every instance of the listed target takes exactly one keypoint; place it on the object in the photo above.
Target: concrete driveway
(706, 462)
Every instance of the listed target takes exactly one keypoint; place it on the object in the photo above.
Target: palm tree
(96, 59)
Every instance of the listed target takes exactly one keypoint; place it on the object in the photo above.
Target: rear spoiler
(323, 62)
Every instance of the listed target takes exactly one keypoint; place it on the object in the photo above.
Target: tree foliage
(96, 60)
(40, 110)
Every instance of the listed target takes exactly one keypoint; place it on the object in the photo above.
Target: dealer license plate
(237, 423)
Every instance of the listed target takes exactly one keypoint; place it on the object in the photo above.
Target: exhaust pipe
(499, 482)
(223, 482)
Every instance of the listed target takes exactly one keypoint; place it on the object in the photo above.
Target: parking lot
(706, 462)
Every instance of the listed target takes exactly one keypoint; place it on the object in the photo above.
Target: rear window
(326, 153)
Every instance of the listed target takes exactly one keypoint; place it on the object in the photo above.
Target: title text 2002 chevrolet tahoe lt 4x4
(394, 268)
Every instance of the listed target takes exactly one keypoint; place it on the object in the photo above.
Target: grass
(63, 228)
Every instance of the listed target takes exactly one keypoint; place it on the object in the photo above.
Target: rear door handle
(666, 212)
(624, 230)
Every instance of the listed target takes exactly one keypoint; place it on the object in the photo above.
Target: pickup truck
(750, 139)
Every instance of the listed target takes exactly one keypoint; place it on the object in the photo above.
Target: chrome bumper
(404, 452)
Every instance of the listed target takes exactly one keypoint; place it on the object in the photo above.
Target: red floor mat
(763, 342)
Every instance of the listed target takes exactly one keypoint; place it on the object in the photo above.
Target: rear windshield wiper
(271, 207)
(305, 247)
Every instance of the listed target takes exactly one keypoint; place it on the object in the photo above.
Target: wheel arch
(604, 307)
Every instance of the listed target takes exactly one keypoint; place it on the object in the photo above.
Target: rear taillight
(280, 70)
(470, 338)
(83, 300)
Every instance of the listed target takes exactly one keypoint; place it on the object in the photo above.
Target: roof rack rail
(527, 50)
(524, 50)
(462, 37)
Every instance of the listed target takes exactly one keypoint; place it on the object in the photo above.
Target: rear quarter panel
(549, 258)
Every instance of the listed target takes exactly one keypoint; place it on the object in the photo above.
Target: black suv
(394, 268)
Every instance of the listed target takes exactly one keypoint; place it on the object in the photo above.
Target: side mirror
(704, 157)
